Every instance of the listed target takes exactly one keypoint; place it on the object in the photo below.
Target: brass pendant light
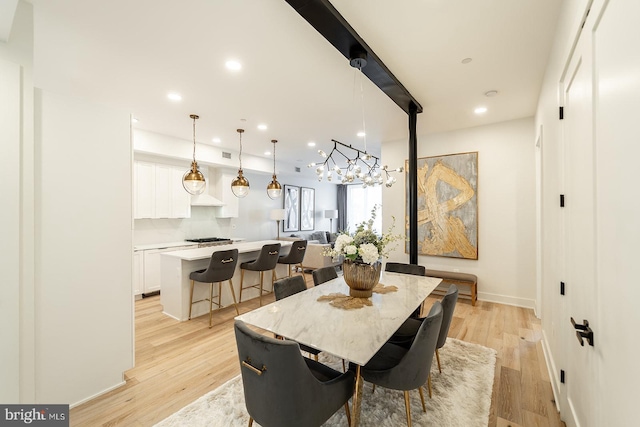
(240, 185)
(274, 189)
(193, 180)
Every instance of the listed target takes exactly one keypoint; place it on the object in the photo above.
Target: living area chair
(295, 256)
(399, 368)
(222, 266)
(286, 287)
(267, 260)
(413, 269)
(283, 388)
(323, 274)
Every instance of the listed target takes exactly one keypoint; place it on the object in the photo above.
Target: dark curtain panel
(342, 207)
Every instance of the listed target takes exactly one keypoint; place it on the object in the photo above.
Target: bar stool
(221, 267)
(267, 260)
(295, 256)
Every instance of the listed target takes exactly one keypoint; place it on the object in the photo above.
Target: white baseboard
(552, 370)
(73, 405)
(508, 300)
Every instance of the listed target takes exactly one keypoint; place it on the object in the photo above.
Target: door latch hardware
(583, 331)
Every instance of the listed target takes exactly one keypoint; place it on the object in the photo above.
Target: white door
(579, 233)
(616, 47)
(601, 219)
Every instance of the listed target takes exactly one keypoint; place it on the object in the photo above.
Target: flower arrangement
(364, 245)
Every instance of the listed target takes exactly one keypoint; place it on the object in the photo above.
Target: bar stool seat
(222, 266)
(267, 260)
(295, 256)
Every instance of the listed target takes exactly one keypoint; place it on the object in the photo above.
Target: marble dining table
(350, 334)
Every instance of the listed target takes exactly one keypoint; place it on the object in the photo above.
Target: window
(360, 201)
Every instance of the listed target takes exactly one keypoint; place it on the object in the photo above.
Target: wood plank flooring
(177, 362)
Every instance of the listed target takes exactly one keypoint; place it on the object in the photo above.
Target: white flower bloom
(350, 250)
(369, 253)
(342, 241)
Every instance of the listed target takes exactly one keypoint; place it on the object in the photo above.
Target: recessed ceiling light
(262, 126)
(174, 96)
(311, 144)
(480, 110)
(491, 93)
(233, 65)
(216, 140)
(466, 60)
(361, 134)
(134, 120)
(267, 153)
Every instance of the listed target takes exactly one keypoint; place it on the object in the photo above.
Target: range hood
(205, 200)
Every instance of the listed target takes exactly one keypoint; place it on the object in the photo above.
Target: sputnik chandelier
(359, 165)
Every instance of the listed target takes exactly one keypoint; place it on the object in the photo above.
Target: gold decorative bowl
(361, 278)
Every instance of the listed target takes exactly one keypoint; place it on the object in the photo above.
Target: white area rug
(461, 396)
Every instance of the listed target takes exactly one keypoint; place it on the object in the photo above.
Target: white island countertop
(203, 253)
(176, 266)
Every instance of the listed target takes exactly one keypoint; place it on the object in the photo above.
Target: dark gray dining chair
(413, 269)
(295, 256)
(399, 368)
(267, 260)
(324, 274)
(282, 388)
(286, 287)
(222, 266)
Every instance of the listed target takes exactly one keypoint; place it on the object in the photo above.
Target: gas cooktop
(209, 240)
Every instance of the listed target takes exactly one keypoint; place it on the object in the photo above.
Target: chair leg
(261, 280)
(289, 268)
(346, 409)
(438, 359)
(210, 303)
(250, 421)
(233, 294)
(315, 356)
(344, 368)
(241, 282)
(373, 389)
(273, 278)
(219, 295)
(407, 406)
(303, 275)
(424, 408)
(191, 300)
(429, 386)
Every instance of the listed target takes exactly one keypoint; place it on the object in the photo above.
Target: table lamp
(278, 215)
(331, 214)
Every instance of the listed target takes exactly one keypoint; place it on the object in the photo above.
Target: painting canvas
(447, 206)
(307, 208)
(291, 208)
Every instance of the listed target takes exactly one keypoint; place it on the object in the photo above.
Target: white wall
(253, 222)
(506, 206)
(17, 160)
(84, 302)
(10, 86)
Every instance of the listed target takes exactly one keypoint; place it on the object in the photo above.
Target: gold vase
(361, 277)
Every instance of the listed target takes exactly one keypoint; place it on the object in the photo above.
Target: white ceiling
(132, 53)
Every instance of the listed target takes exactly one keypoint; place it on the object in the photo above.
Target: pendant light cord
(274, 158)
(240, 154)
(364, 126)
(194, 139)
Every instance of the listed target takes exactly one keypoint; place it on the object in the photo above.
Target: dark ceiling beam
(333, 27)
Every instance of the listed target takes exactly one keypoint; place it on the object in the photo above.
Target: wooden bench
(450, 277)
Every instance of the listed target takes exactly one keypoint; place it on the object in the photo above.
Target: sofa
(317, 243)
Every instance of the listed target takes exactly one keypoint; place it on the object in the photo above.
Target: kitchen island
(177, 265)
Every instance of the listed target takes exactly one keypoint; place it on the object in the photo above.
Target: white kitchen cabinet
(158, 191)
(144, 178)
(152, 266)
(138, 272)
(224, 193)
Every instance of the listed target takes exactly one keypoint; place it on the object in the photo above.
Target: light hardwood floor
(177, 362)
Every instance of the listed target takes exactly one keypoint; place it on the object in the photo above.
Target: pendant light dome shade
(193, 180)
(274, 189)
(240, 186)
